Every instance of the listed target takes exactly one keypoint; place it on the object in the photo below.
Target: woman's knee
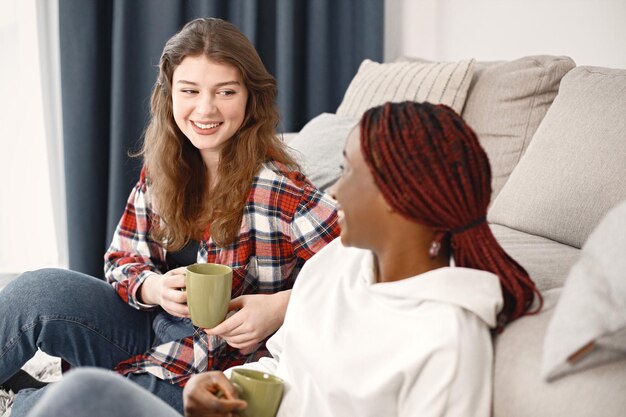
(98, 393)
(92, 379)
(46, 290)
(80, 392)
(25, 290)
(42, 280)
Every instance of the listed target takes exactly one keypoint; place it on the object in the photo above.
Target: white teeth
(207, 126)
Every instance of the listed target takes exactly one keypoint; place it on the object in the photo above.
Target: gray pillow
(319, 147)
(506, 102)
(589, 324)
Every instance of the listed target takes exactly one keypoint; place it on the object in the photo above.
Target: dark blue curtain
(109, 56)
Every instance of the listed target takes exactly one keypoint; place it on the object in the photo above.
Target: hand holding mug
(250, 393)
(164, 290)
(210, 394)
(257, 317)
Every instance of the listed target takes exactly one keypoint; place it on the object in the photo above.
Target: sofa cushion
(436, 82)
(589, 322)
(519, 390)
(506, 102)
(319, 147)
(574, 170)
(547, 262)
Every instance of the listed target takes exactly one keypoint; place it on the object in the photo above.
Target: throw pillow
(319, 147)
(589, 324)
(505, 103)
(574, 170)
(435, 82)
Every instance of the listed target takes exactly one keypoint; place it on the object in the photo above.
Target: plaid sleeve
(132, 255)
(314, 223)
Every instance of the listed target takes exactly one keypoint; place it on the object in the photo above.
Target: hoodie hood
(472, 289)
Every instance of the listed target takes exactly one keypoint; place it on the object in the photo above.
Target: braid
(431, 169)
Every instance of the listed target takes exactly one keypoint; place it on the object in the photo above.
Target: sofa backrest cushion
(547, 262)
(506, 102)
(574, 170)
(436, 82)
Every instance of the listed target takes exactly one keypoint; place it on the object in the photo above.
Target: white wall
(592, 32)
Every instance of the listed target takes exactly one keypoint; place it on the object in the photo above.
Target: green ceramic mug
(208, 293)
(262, 391)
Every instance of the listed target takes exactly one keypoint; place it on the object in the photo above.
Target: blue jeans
(90, 392)
(82, 320)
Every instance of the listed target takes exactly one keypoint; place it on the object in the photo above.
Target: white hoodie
(417, 347)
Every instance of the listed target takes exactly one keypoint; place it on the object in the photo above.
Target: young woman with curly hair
(218, 186)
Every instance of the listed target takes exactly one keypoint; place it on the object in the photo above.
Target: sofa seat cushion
(574, 170)
(519, 390)
(547, 262)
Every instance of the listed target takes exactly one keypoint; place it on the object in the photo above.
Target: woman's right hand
(165, 290)
(200, 396)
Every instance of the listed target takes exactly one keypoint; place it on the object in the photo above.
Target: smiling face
(209, 103)
(362, 209)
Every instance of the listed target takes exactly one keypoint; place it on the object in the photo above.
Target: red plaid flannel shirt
(285, 222)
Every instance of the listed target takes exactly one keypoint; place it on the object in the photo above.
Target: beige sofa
(555, 134)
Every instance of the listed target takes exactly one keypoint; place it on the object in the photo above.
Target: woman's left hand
(259, 316)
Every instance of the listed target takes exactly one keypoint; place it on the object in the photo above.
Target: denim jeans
(90, 392)
(80, 319)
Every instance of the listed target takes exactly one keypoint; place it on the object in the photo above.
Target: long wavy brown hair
(178, 179)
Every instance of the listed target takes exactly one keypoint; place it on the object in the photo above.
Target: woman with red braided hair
(393, 318)
(431, 170)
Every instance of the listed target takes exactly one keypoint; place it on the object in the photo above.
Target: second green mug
(263, 392)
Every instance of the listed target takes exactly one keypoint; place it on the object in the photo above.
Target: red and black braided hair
(431, 169)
